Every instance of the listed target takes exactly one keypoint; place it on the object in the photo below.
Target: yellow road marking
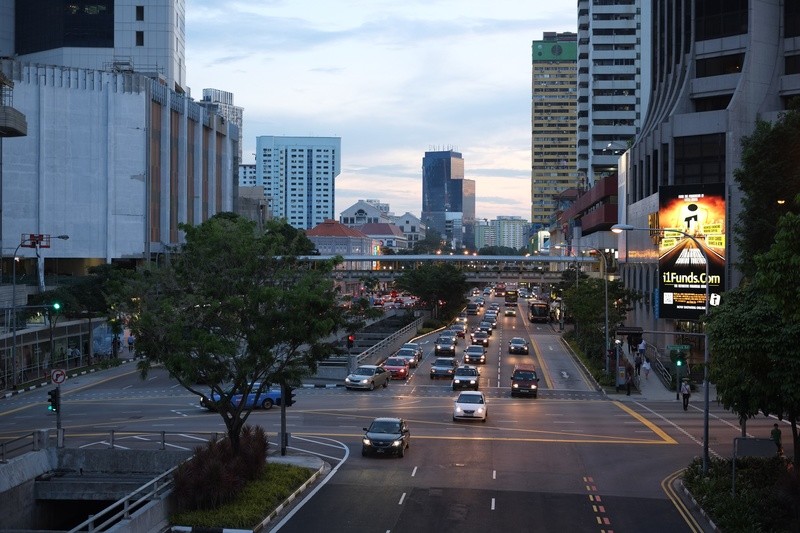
(652, 427)
(666, 485)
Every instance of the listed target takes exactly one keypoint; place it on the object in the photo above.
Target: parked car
(443, 367)
(475, 354)
(518, 345)
(410, 355)
(445, 344)
(471, 405)
(398, 367)
(253, 400)
(466, 377)
(386, 436)
(524, 381)
(367, 377)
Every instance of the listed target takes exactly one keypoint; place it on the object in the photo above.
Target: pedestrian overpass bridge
(476, 268)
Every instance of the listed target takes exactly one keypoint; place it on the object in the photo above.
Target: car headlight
(480, 409)
(458, 408)
(472, 382)
(515, 386)
(364, 381)
(366, 441)
(347, 379)
(398, 442)
(456, 380)
(449, 370)
(533, 386)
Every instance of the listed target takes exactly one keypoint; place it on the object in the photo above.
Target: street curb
(698, 507)
(322, 385)
(72, 374)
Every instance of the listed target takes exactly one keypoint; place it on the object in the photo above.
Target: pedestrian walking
(686, 392)
(642, 348)
(628, 378)
(637, 362)
(131, 341)
(775, 435)
(646, 367)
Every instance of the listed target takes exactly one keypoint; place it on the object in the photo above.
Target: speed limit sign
(58, 376)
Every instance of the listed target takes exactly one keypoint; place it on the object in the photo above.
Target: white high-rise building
(512, 231)
(299, 177)
(613, 83)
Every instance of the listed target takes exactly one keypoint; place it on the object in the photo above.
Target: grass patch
(258, 499)
(595, 366)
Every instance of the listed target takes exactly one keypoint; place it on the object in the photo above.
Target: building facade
(299, 177)
(717, 67)
(613, 83)
(363, 212)
(443, 194)
(412, 227)
(512, 231)
(145, 36)
(553, 122)
(221, 103)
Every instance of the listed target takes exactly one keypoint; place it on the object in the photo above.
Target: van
(524, 381)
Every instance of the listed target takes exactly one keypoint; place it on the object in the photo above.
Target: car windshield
(406, 352)
(445, 338)
(364, 371)
(517, 341)
(470, 398)
(410, 346)
(474, 349)
(443, 362)
(395, 361)
(385, 426)
(528, 376)
(466, 372)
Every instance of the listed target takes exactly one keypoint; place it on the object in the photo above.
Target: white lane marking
(127, 387)
(414, 472)
(494, 474)
(403, 497)
(492, 504)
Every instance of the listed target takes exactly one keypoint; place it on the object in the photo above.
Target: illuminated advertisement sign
(696, 214)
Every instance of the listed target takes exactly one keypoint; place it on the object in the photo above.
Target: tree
(442, 285)
(768, 173)
(235, 307)
(755, 364)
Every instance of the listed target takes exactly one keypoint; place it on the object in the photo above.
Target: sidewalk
(652, 389)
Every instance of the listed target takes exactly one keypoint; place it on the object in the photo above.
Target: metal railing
(390, 342)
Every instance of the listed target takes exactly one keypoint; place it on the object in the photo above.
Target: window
(717, 66)
(139, 38)
(700, 159)
(140, 13)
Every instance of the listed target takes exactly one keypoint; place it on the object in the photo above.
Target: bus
(500, 289)
(511, 297)
(538, 311)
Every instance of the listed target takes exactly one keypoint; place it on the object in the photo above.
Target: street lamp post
(29, 241)
(619, 228)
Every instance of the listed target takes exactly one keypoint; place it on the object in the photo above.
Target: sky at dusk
(393, 79)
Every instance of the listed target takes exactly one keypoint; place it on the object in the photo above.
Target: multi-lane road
(572, 460)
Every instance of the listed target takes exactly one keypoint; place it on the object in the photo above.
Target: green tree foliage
(500, 250)
(435, 283)
(768, 172)
(586, 304)
(778, 270)
(235, 307)
(754, 354)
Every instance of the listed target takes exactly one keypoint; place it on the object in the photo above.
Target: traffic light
(56, 306)
(289, 396)
(680, 359)
(54, 399)
(350, 340)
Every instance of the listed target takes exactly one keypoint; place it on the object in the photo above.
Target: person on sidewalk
(628, 378)
(775, 435)
(646, 367)
(642, 348)
(637, 361)
(686, 392)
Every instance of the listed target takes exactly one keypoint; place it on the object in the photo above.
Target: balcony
(12, 122)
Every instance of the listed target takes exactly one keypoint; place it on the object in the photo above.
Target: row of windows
(717, 66)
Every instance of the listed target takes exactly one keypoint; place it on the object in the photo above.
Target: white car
(472, 405)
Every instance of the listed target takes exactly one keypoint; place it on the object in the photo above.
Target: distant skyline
(393, 80)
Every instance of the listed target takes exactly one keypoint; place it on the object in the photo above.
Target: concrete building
(613, 82)
(485, 234)
(512, 231)
(717, 67)
(247, 176)
(221, 103)
(145, 36)
(412, 227)
(299, 177)
(386, 234)
(443, 195)
(553, 122)
(364, 212)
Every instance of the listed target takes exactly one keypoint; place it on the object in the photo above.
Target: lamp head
(619, 228)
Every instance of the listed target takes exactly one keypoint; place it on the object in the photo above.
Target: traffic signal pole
(58, 408)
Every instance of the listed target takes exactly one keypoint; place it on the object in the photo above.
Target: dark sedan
(443, 367)
(481, 338)
(386, 436)
(518, 345)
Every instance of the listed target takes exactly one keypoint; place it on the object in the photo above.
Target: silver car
(368, 377)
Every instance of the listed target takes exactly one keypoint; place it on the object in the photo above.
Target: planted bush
(216, 475)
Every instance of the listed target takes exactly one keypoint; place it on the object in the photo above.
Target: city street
(573, 459)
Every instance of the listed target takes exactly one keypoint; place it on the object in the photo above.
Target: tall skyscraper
(443, 194)
(553, 122)
(613, 83)
(146, 36)
(299, 177)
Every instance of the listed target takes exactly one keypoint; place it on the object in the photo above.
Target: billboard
(696, 213)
